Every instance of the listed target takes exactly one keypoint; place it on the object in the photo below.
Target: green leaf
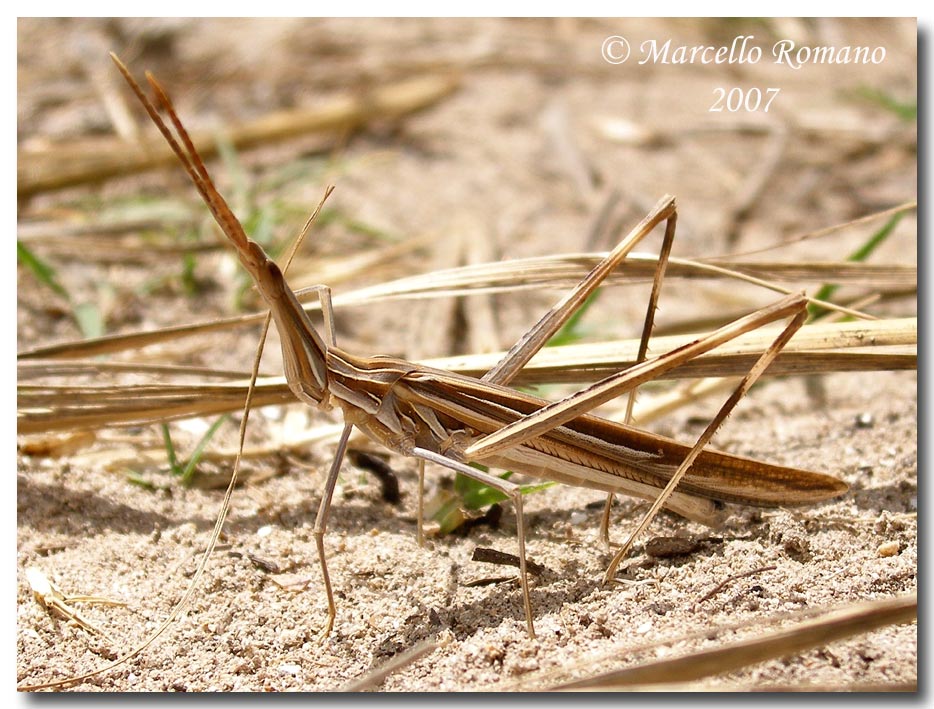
(450, 515)
(89, 319)
(826, 291)
(905, 110)
(189, 472)
(170, 450)
(136, 479)
(43, 272)
(571, 331)
(87, 315)
(475, 495)
(469, 496)
(190, 284)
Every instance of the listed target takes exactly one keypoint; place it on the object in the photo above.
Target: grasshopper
(452, 420)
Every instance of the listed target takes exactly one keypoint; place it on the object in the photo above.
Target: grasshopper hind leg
(761, 364)
(647, 326)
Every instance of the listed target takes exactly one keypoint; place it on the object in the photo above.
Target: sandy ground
(522, 155)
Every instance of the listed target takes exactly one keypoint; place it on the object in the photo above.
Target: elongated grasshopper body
(452, 420)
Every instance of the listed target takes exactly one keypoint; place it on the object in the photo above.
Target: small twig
(494, 556)
(261, 563)
(489, 581)
(720, 586)
(376, 677)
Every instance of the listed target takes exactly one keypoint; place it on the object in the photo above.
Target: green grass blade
(826, 291)
(905, 110)
(89, 319)
(43, 272)
(189, 472)
(571, 332)
(170, 450)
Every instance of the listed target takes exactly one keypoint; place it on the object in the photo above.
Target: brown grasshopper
(453, 420)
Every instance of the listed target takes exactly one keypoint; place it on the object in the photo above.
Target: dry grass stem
(57, 166)
(550, 271)
(832, 625)
(817, 348)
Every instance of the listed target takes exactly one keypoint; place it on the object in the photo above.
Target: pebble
(670, 547)
(288, 668)
(888, 549)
